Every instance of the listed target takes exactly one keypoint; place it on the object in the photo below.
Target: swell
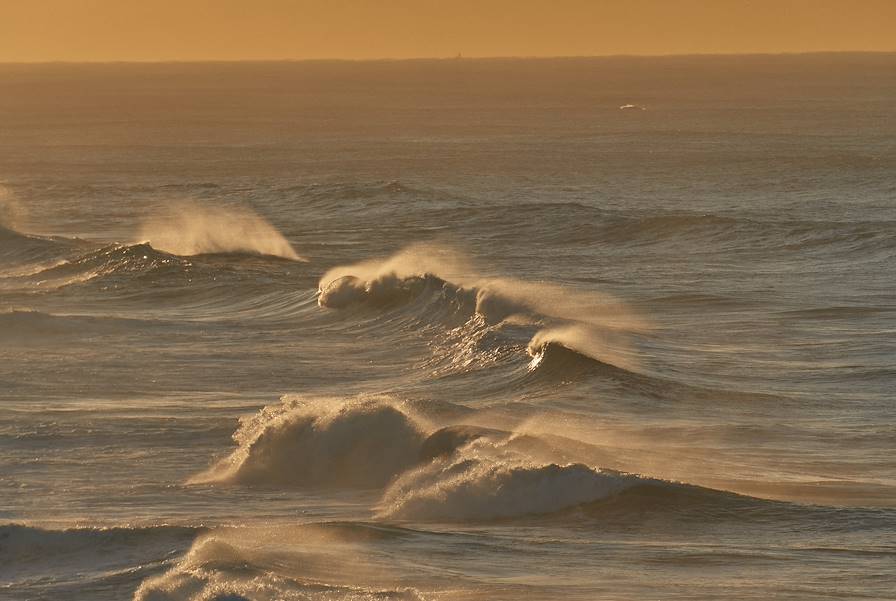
(54, 560)
(28, 325)
(579, 223)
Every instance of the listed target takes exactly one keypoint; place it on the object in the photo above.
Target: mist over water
(191, 228)
(12, 213)
(449, 330)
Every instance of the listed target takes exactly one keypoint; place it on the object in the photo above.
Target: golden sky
(117, 30)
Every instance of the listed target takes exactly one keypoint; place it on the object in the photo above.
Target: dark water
(449, 329)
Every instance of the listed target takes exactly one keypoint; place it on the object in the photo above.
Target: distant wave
(725, 231)
(196, 229)
(584, 225)
(27, 325)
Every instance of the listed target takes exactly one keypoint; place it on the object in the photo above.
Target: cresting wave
(594, 324)
(456, 472)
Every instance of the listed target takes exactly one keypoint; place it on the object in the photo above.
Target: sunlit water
(449, 330)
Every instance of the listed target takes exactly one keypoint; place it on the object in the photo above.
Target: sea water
(456, 329)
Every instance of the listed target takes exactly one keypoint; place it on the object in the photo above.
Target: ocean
(449, 329)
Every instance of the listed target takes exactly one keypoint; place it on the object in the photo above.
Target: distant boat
(631, 107)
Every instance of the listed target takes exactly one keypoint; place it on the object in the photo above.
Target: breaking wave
(322, 443)
(468, 487)
(457, 472)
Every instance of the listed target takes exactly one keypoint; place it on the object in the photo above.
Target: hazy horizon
(385, 59)
(195, 30)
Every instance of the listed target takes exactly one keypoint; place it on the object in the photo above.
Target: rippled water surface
(456, 329)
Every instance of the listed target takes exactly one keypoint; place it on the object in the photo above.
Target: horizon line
(457, 57)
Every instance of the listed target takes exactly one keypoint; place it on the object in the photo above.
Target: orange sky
(104, 30)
